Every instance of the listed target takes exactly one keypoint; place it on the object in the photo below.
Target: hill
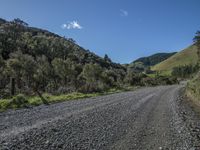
(143, 63)
(187, 56)
(34, 60)
(49, 44)
(154, 59)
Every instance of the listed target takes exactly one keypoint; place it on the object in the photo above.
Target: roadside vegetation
(24, 101)
(193, 86)
(193, 89)
(186, 71)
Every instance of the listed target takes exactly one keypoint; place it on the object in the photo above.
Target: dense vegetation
(185, 71)
(34, 61)
(37, 61)
(193, 87)
(197, 43)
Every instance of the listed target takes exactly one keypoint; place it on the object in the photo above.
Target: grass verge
(22, 101)
(193, 90)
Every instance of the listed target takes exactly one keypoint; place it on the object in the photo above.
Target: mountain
(145, 62)
(187, 56)
(154, 59)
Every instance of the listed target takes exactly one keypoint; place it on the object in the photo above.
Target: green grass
(193, 88)
(35, 101)
(161, 73)
(185, 57)
(21, 101)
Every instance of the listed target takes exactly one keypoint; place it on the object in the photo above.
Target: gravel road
(149, 118)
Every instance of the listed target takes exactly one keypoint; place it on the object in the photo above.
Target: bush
(35, 101)
(93, 87)
(193, 87)
(185, 71)
(4, 104)
(159, 80)
(19, 101)
(4, 93)
(149, 81)
(64, 90)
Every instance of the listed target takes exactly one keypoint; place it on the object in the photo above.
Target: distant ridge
(154, 59)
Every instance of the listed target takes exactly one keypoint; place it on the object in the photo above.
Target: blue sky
(123, 29)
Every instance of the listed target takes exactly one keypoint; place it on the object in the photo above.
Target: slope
(39, 61)
(185, 57)
(154, 59)
(143, 63)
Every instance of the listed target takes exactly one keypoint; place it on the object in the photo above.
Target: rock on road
(148, 118)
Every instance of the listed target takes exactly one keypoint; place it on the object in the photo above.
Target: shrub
(4, 104)
(185, 71)
(4, 93)
(149, 81)
(19, 101)
(35, 101)
(93, 87)
(64, 90)
(193, 87)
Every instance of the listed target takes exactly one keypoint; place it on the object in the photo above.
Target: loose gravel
(149, 118)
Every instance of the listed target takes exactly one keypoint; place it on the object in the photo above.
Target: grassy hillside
(184, 57)
(143, 63)
(154, 59)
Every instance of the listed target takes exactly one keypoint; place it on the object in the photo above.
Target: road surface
(148, 118)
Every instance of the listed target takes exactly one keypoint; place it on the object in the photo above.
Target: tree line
(197, 43)
(185, 71)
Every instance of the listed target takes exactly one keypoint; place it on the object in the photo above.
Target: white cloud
(123, 13)
(72, 25)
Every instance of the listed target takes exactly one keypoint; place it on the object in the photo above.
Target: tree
(133, 78)
(107, 59)
(65, 69)
(15, 67)
(109, 77)
(71, 40)
(34, 73)
(20, 22)
(129, 79)
(40, 76)
(148, 70)
(197, 42)
(2, 64)
(2, 72)
(92, 73)
(184, 71)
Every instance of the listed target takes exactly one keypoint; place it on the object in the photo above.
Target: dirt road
(148, 118)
